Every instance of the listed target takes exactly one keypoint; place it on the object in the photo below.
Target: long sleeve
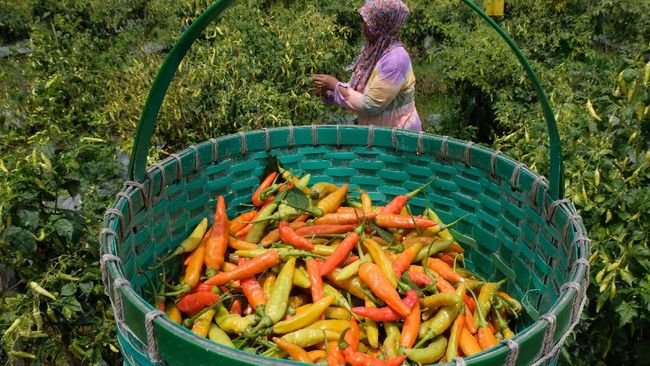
(385, 83)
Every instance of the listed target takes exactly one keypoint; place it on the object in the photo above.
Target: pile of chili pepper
(309, 273)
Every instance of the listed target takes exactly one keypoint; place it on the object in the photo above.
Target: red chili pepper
(235, 307)
(341, 252)
(252, 289)
(289, 236)
(351, 259)
(274, 235)
(316, 280)
(353, 336)
(397, 203)
(386, 313)
(419, 278)
(471, 304)
(266, 183)
(193, 303)
(445, 258)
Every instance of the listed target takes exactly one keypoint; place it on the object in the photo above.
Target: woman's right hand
(322, 83)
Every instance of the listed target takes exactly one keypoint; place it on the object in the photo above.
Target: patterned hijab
(383, 19)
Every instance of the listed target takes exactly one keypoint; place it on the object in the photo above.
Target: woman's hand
(323, 82)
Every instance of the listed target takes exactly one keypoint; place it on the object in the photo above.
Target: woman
(382, 89)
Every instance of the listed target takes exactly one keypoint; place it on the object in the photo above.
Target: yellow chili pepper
(337, 313)
(217, 335)
(391, 342)
(300, 278)
(202, 324)
(332, 201)
(322, 189)
(372, 331)
(325, 250)
(304, 318)
(267, 284)
(308, 337)
(174, 314)
(232, 323)
(335, 325)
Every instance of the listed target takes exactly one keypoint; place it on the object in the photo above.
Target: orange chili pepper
(239, 244)
(313, 271)
(444, 270)
(341, 251)
(310, 230)
(471, 304)
(396, 221)
(296, 353)
(289, 236)
(445, 258)
(334, 354)
(266, 260)
(317, 355)
(454, 338)
(404, 260)
(411, 327)
(469, 320)
(468, 343)
(381, 286)
(217, 243)
(195, 267)
(240, 221)
(349, 217)
(274, 235)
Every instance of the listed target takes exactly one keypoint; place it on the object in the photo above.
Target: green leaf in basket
(297, 199)
(382, 233)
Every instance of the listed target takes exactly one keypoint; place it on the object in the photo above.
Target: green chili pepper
(439, 323)
(351, 269)
(431, 354)
(372, 331)
(232, 323)
(391, 342)
(257, 231)
(276, 307)
(431, 249)
(484, 301)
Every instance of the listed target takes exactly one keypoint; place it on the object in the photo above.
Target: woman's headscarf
(383, 18)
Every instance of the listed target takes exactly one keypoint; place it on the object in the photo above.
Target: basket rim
(112, 267)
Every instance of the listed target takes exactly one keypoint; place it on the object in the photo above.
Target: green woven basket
(518, 226)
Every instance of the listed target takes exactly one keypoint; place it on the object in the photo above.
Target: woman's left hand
(323, 81)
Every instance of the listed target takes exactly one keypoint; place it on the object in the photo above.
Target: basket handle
(147, 123)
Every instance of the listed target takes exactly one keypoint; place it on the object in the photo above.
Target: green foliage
(606, 171)
(15, 19)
